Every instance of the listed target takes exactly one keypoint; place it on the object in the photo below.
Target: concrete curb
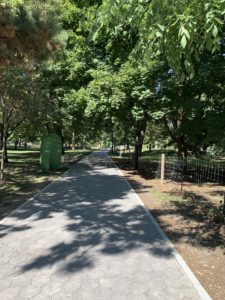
(195, 282)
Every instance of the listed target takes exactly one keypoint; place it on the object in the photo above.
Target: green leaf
(184, 41)
(186, 33)
(161, 27)
(182, 77)
(209, 44)
(158, 34)
(215, 31)
(192, 74)
(187, 64)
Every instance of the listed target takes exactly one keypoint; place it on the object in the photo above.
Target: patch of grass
(166, 196)
(153, 155)
(79, 151)
(120, 158)
(23, 177)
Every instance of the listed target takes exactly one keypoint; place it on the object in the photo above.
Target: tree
(28, 30)
(138, 86)
(187, 108)
(26, 33)
(179, 31)
(123, 97)
(15, 94)
(72, 72)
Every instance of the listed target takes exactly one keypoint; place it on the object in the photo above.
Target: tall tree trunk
(6, 160)
(182, 147)
(128, 145)
(1, 135)
(73, 141)
(139, 139)
(4, 157)
(136, 154)
(83, 142)
(112, 140)
(20, 143)
(58, 130)
(63, 150)
(16, 144)
(177, 138)
(182, 155)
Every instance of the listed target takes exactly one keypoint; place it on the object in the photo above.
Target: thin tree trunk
(83, 142)
(73, 141)
(128, 145)
(1, 136)
(2, 163)
(16, 145)
(136, 155)
(182, 147)
(178, 140)
(112, 137)
(136, 149)
(139, 139)
(58, 130)
(4, 149)
(224, 206)
(6, 160)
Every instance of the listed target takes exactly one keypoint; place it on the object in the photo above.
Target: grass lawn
(23, 177)
(155, 155)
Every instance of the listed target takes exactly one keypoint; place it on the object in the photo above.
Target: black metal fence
(188, 170)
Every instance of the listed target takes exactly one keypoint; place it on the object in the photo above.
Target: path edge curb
(195, 282)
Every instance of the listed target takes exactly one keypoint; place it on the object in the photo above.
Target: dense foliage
(119, 72)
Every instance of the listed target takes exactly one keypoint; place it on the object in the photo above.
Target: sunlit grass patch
(23, 176)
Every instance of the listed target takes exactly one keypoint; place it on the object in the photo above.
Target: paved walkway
(87, 237)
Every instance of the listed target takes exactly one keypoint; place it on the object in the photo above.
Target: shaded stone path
(87, 237)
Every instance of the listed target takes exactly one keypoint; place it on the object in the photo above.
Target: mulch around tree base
(199, 241)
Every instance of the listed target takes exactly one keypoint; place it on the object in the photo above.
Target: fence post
(224, 206)
(162, 168)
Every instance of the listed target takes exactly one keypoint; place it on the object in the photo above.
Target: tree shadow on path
(87, 215)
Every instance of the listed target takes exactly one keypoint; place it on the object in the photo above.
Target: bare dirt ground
(189, 224)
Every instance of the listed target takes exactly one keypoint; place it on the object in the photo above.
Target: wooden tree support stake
(162, 168)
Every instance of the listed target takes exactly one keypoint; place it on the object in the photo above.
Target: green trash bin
(51, 152)
(45, 158)
(56, 152)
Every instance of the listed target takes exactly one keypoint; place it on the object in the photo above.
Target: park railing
(192, 170)
(186, 169)
(191, 177)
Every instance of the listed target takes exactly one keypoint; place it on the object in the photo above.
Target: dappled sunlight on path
(87, 237)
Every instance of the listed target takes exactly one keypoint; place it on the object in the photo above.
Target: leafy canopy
(179, 30)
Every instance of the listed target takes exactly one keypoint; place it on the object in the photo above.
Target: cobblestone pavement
(87, 237)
